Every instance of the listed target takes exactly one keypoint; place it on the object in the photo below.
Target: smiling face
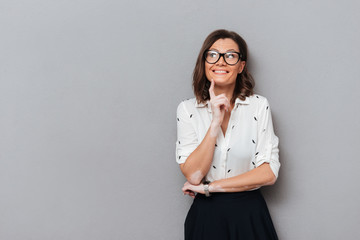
(222, 73)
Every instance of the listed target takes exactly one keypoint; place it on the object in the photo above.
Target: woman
(226, 146)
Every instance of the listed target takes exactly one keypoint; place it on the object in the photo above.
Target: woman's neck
(227, 90)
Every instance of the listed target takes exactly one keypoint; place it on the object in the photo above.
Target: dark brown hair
(244, 81)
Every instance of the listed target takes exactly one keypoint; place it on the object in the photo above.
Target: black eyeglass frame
(222, 55)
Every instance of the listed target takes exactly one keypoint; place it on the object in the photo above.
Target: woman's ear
(242, 65)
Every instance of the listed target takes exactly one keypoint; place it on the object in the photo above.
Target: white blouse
(249, 139)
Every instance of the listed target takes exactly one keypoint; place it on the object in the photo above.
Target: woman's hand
(190, 189)
(219, 104)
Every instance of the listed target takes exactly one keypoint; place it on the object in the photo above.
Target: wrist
(215, 123)
(206, 189)
(211, 187)
(214, 128)
(215, 187)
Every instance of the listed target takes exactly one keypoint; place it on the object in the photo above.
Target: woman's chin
(223, 82)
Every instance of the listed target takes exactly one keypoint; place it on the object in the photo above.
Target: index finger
(211, 89)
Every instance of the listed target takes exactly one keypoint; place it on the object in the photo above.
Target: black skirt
(229, 216)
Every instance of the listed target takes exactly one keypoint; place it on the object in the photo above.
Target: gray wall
(88, 99)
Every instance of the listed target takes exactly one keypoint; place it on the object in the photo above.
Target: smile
(220, 71)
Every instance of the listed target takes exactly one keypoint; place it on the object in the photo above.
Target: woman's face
(223, 73)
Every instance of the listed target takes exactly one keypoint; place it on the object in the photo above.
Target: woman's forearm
(257, 177)
(199, 161)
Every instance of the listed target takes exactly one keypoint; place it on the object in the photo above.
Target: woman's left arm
(257, 177)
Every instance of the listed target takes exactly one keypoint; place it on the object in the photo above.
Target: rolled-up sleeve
(267, 147)
(187, 140)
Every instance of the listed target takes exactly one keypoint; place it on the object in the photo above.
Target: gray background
(88, 99)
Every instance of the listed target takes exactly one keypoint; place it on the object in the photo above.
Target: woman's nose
(221, 61)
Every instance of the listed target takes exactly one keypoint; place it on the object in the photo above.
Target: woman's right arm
(199, 161)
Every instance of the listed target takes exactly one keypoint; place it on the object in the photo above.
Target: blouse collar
(237, 101)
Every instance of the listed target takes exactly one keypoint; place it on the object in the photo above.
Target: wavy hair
(244, 81)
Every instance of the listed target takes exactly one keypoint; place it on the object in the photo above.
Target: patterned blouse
(249, 139)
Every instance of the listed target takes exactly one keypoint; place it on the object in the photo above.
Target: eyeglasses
(231, 58)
